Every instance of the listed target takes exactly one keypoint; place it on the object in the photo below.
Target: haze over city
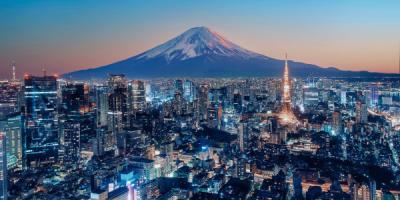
(63, 36)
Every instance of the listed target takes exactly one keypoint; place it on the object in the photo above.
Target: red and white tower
(286, 114)
(286, 88)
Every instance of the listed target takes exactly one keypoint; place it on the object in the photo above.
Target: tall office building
(179, 86)
(70, 131)
(203, 102)
(136, 96)
(9, 98)
(117, 111)
(337, 122)
(3, 167)
(310, 96)
(343, 97)
(177, 103)
(188, 91)
(117, 105)
(41, 140)
(101, 105)
(116, 82)
(74, 100)
(374, 95)
(372, 190)
(74, 104)
(12, 127)
(98, 142)
(243, 136)
(361, 112)
(237, 102)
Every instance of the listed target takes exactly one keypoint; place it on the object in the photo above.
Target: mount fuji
(201, 52)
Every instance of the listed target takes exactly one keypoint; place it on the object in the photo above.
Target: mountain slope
(200, 52)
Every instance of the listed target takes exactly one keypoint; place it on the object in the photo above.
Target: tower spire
(286, 113)
(286, 64)
(13, 70)
(286, 84)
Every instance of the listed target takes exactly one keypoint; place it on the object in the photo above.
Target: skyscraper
(337, 123)
(343, 97)
(372, 190)
(74, 100)
(12, 127)
(136, 96)
(243, 136)
(374, 95)
(203, 102)
(3, 167)
(101, 105)
(117, 110)
(9, 98)
(179, 86)
(117, 105)
(41, 138)
(361, 112)
(73, 106)
(70, 131)
(188, 91)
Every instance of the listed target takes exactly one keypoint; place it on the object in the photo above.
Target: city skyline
(65, 36)
(217, 100)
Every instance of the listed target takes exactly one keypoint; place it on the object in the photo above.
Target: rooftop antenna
(399, 57)
(44, 71)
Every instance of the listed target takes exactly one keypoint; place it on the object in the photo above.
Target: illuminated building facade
(117, 105)
(101, 105)
(41, 140)
(12, 127)
(136, 95)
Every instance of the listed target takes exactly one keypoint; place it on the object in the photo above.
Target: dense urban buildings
(3, 167)
(197, 100)
(200, 138)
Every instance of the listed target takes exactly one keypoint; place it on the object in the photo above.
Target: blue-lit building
(74, 100)
(73, 106)
(136, 96)
(101, 105)
(179, 86)
(12, 126)
(189, 91)
(41, 140)
(117, 105)
(70, 130)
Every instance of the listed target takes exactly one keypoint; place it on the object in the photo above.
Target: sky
(62, 36)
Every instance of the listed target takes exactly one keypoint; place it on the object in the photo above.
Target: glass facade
(41, 119)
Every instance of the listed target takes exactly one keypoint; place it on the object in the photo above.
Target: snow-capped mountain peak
(200, 52)
(196, 42)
